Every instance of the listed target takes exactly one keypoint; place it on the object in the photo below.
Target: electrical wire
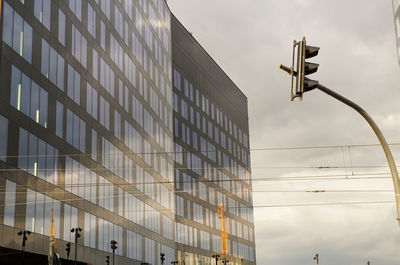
(360, 176)
(172, 210)
(205, 151)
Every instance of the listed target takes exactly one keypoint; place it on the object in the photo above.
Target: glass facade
(102, 127)
(212, 159)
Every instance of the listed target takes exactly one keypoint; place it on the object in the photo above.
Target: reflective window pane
(4, 138)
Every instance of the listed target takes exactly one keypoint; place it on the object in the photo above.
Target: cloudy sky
(358, 59)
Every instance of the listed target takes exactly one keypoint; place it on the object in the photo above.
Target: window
(186, 87)
(94, 145)
(76, 8)
(59, 119)
(52, 65)
(184, 109)
(42, 12)
(91, 101)
(76, 131)
(137, 110)
(4, 137)
(106, 77)
(91, 21)
(9, 203)
(28, 97)
(112, 158)
(177, 79)
(61, 27)
(79, 46)
(70, 221)
(128, 168)
(134, 245)
(107, 232)
(95, 70)
(80, 180)
(133, 140)
(39, 210)
(179, 206)
(105, 7)
(74, 84)
(148, 123)
(103, 35)
(104, 113)
(106, 194)
(37, 157)
(89, 231)
(117, 124)
(17, 33)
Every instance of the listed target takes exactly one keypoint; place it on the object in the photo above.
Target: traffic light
(162, 257)
(108, 260)
(304, 84)
(301, 52)
(68, 249)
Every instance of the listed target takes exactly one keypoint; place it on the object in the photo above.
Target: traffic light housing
(108, 260)
(301, 52)
(68, 249)
(304, 51)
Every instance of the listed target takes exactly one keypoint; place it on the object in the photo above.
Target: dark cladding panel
(190, 58)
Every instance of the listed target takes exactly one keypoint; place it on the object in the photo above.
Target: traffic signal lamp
(108, 260)
(301, 52)
(68, 249)
(303, 84)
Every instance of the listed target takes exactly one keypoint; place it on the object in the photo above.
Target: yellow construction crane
(224, 230)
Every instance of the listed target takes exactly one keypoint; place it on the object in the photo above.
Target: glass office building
(88, 136)
(212, 159)
(396, 12)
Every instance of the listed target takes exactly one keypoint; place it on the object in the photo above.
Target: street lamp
(113, 247)
(216, 257)
(24, 238)
(76, 230)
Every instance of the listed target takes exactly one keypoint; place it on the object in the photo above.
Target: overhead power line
(207, 151)
(227, 207)
(123, 183)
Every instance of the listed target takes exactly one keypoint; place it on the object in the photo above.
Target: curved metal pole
(381, 138)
